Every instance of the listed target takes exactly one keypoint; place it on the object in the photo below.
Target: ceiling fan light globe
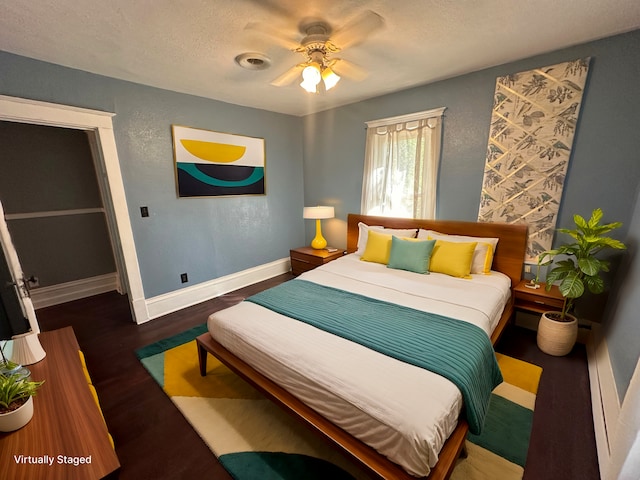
(330, 78)
(308, 86)
(311, 73)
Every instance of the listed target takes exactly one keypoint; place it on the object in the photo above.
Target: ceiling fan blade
(348, 69)
(357, 30)
(275, 6)
(289, 76)
(275, 34)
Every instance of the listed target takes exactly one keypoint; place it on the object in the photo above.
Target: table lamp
(27, 349)
(317, 214)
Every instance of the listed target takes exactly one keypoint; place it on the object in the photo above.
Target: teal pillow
(410, 254)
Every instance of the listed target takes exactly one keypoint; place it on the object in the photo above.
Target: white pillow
(363, 234)
(482, 255)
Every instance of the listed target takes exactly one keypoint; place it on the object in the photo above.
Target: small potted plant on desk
(579, 271)
(16, 395)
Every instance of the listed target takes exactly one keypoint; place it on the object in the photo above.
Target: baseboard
(604, 396)
(69, 291)
(186, 297)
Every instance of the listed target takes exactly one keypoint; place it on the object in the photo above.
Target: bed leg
(202, 359)
(464, 453)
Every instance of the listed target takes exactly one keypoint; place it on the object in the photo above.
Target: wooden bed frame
(508, 259)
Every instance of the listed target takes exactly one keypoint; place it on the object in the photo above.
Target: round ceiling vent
(253, 61)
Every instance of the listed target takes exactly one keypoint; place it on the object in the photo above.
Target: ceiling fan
(318, 46)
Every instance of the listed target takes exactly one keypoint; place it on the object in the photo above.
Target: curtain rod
(435, 112)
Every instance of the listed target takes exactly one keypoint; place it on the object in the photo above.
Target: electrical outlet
(527, 268)
(184, 278)
(144, 211)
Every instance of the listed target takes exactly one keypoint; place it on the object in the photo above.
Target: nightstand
(537, 300)
(304, 259)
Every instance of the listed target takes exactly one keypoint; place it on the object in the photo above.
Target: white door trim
(43, 113)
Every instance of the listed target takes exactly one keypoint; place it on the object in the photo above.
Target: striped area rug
(254, 439)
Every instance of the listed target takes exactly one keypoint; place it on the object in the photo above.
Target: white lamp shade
(27, 349)
(318, 212)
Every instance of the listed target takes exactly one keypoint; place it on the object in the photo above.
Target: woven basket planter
(556, 337)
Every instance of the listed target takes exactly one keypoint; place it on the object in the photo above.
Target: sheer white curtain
(401, 166)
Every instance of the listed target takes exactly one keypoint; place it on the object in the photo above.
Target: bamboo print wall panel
(534, 118)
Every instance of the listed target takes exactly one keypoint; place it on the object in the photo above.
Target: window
(401, 165)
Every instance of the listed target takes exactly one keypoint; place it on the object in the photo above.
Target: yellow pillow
(452, 258)
(378, 248)
(482, 257)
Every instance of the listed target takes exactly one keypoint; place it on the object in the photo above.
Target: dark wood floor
(153, 440)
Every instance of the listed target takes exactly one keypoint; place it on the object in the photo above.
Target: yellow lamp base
(319, 241)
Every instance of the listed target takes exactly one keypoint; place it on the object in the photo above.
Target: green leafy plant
(7, 366)
(15, 390)
(581, 269)
(4, 363)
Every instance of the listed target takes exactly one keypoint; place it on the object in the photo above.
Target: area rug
(254, 439)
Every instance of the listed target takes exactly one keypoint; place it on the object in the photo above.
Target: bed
(325, 379)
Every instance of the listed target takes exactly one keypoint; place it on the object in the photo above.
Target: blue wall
(622, 320)
(205, 237)
(604, 170)
(605, 152)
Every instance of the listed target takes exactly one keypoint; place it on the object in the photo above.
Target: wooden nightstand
(537, 300)
(304, 259)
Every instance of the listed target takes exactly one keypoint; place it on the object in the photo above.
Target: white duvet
(404, 412)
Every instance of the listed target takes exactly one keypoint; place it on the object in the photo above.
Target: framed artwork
(214, 164)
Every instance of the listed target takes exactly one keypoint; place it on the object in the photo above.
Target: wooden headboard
(509, 255)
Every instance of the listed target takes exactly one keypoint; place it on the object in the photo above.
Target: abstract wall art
(533, 122)
(214, 164)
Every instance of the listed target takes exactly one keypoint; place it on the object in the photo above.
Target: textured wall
(604, 155)
(622, 321)
(205, 237)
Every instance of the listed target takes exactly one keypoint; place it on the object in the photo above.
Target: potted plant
(577, 272)
(16, 400)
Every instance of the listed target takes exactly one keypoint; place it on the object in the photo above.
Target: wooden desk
(67, 424)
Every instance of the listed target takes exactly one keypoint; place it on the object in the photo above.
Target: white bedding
(403, 411)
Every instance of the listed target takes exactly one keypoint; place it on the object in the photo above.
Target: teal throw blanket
(454, 349)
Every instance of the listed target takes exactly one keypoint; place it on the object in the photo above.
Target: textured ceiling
(189, 45)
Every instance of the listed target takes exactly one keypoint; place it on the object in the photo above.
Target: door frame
(22, 110)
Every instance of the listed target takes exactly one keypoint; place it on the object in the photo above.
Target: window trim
(435, 112)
